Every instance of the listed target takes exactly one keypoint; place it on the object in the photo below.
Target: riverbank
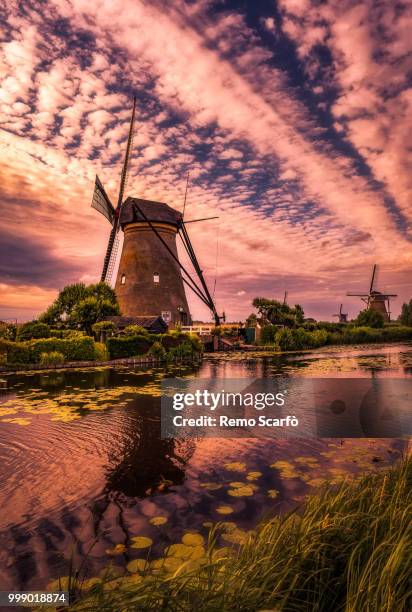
(349, 548)
(132, 362)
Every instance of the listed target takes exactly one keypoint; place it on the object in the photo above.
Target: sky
(293, 118)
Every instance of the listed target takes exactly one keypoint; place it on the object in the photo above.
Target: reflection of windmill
(375, 300)
(342, 316)
(150, 279)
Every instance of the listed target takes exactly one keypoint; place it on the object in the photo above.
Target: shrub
(135, 330)
(33, 329)
(268, 334)
(370, 318)
(128, 346)
(100, 351)
(52, 358)
(8, 331)
(17, 353)
(157, 350)
(195, 341)
(90, 310)
(74, 349)
(181, 351)
(103, 326)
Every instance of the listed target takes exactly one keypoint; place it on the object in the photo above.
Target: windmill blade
(116, 214)
(372, 279)
(101, 202)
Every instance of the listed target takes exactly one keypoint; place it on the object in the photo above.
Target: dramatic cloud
(294, 124)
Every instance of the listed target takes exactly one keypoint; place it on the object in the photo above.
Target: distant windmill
(285, 298)
(375, 300)
(150, 279)
(342, 316)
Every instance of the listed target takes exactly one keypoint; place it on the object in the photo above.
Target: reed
(348, 548)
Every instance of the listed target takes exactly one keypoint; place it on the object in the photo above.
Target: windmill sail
(101, 202)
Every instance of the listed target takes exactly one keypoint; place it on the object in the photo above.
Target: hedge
(128, 346)
(73, 349)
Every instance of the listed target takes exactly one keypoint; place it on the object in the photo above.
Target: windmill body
(149, 280)
(376, 300)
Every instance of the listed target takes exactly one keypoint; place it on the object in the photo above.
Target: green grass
(348, 548)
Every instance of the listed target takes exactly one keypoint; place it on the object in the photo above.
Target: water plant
(349, 548)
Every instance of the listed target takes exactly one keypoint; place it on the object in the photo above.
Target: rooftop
(154, 211)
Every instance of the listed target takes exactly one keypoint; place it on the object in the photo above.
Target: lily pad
(141, 542)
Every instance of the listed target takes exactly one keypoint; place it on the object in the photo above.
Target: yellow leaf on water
(224, 509)
(158, 520)
(272, 493)
(137, 565)
(245, 491)
(253, 475)
(193, 539)
(141, 542)
(119, 549)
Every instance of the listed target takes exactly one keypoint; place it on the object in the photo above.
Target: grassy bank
(301, 338)
(348, 549)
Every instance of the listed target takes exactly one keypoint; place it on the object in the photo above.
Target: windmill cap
(156, 212)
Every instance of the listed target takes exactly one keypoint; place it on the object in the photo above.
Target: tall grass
(349, 548)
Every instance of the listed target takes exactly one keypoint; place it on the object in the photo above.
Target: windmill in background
(375, 300)
(342, 316)
(285, 298)
(150, 278)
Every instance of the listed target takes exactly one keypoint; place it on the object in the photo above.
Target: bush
(103, 326)
(52, 358)
(268, 334)
(8, 331)
(135, 330)
(100, 352)
(74, 349)
(31, 330)
(180, 352)
(17, 353)
(128, 346)
(370, 318)
(158, 350)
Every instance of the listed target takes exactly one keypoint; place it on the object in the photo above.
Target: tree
(32, 330)
(64, 309)
(277, 313)
(406, 315)
(370, 318)
(90, 310)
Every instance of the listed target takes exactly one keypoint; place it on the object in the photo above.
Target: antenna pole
(184, 203)
(373, 278)
(120, 198)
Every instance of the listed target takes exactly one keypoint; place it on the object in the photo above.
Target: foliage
(52, 358)
(31, 330)
(370, 318)
(251, 321)
(73, 349)
(103, 326)
(128, 346)
(65, 309)
(277, 313)
(348, 549)
(157, 350)
(135, 330)
(67, 333)
(88, 311)
(100, 351)
(8, 331)
(268, 334)
(405, 317)
(17, 353)
(181, 351)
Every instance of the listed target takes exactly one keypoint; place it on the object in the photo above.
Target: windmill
(375, 300)
(342, 316)
(150, 279)
(285, 298)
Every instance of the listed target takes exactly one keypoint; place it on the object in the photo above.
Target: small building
(154, 324)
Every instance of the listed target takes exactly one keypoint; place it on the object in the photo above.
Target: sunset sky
(292, 116)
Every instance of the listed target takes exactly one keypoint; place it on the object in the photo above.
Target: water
(83, 468)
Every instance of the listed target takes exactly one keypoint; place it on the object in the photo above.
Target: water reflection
(90, 483)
